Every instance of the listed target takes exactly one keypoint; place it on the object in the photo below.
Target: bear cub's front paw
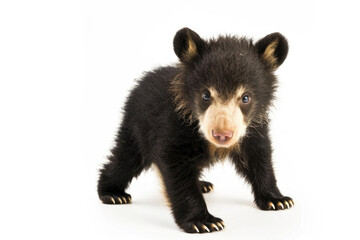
(206, 186)
(280, 203)
(209, 224)
(115, 198)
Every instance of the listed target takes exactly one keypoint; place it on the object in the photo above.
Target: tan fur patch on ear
(269, 54)
(191, 50)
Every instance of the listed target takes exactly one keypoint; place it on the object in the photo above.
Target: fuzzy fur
(161, 126)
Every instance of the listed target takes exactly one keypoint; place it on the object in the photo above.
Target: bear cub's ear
(188, 45)
(272, 49)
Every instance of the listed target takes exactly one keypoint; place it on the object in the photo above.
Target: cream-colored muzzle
(223, 122)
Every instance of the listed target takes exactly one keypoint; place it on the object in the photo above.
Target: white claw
(287, 204)
(205, 227)
(124, 199)
(120, 200)
(271, 205)
(219, 224)
(281, 205)
(291, 203)
(196, 229)
(214, 226)
(113, 200)
(205, 189)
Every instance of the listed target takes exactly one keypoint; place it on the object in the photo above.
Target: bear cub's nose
(222, 135)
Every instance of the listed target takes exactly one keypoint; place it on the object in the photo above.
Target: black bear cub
(213, 105)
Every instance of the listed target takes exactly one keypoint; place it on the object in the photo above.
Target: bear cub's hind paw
(115, 198)
(210, 224)
(206, 186)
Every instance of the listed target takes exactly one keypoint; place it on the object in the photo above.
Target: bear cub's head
(226, 84)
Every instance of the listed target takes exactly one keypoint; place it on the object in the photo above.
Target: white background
(66, 68)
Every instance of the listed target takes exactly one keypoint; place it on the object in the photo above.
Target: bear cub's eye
(206, 96)
(246, 98)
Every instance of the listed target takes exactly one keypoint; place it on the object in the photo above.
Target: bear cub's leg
(124, 164)
(184, 193)
(259, 172)
(112, 184)
(266, 193)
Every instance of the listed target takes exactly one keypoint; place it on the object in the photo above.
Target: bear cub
(212, 105)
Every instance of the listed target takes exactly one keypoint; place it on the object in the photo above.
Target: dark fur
(155, 127)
